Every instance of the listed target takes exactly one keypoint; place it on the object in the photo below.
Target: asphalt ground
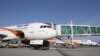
(84, 51)
(27, 52)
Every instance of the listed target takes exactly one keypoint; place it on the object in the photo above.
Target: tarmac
(84, 51)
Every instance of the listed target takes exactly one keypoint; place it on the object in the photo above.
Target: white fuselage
(35, 31)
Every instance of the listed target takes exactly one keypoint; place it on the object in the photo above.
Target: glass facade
(65, 30)
(79, 30)
(95, 30)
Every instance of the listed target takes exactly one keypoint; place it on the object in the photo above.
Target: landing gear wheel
(37, 47)
(45, 45)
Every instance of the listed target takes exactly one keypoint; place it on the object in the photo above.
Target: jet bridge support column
(71, 37)
(71, 25)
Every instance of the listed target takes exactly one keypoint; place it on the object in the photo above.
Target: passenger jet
(34, 34)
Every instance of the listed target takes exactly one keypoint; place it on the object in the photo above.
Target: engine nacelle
(20, 34)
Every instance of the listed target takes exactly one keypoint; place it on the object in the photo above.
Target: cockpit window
(44, 26)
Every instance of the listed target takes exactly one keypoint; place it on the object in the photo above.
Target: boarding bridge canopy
(95, 30)
(78, 30)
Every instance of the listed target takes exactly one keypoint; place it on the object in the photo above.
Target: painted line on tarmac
(63, 52)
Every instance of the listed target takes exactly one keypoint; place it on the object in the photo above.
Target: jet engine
(20, 34)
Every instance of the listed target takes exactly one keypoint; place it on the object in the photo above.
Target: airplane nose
(53, 33)
(50, 33)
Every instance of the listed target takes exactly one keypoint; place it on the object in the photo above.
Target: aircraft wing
(9, 34)
(2, 35)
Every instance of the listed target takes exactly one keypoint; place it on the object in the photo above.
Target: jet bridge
(71, 30)
(78, 30)
(95, 30)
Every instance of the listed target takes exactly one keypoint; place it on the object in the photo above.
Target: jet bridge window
(44, 26)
